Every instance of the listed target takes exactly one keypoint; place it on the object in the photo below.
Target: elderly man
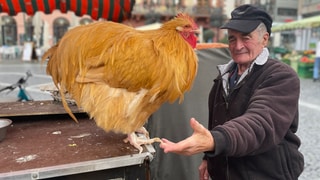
(253, 110)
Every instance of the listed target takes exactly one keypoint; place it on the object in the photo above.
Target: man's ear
(265, 40)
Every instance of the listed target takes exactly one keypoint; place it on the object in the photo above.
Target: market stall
(301, 62)
(299, 35)
(299, 24)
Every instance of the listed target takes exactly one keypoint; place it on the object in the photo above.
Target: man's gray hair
(262, 29)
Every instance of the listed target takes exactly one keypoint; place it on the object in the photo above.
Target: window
(287, 12)
(60, 27)
(9, 31)
(29, 29)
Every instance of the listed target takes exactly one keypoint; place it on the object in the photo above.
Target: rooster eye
(187, 26)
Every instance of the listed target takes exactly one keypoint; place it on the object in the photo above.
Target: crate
(286, 61)
(305, 70)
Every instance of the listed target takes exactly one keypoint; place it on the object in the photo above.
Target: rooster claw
(137, 142)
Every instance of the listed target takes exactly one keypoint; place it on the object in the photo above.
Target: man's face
(245, 48)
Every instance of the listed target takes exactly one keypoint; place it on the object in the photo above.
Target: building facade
(46, 29)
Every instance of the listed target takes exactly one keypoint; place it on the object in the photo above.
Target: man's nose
(239, 45)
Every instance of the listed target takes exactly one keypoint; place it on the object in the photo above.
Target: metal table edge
(81, 167)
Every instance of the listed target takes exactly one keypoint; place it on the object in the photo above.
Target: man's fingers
(164, 140)
(167, 145)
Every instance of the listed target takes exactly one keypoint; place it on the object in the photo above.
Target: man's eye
(231, 40)
(246, 38)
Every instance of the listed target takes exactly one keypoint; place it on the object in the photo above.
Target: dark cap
(246, 18)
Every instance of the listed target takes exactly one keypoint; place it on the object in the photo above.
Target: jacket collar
(225, 69)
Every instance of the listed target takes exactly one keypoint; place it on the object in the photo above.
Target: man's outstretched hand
(200, 141)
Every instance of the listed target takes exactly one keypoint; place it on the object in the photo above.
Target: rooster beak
(196, 31)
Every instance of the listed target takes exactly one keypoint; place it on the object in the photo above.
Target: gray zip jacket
(254, 124)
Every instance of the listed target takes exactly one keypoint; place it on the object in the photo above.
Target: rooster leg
(143, 131)
(138, 141)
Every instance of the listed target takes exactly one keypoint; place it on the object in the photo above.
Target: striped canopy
(112, 10)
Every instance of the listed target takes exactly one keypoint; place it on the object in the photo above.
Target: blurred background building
(46, 29)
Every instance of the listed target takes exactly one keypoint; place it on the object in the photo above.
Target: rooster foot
(137, 141)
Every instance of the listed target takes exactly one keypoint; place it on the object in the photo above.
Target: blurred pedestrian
(316, 66)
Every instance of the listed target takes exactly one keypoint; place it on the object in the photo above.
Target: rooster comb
(185, 16)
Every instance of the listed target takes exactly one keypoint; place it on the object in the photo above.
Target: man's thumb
(195, 125)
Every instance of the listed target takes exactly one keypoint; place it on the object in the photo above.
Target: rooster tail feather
(53, 63)
(65, 105)
(49, 53)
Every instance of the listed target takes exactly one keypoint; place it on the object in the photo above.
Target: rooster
(120, 75)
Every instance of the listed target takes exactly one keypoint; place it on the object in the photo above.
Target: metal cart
(45, 143)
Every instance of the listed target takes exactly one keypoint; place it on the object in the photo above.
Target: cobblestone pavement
(308, 131)
(309, 128)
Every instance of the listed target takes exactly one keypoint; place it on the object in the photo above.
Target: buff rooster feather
(120, 75)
